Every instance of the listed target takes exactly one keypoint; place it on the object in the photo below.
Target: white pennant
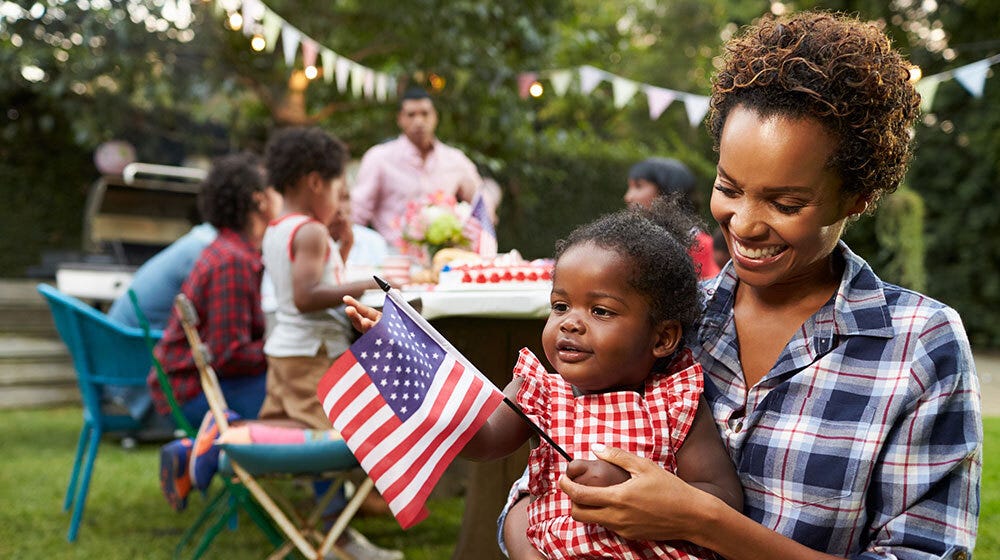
(560, 81)
(272, 23)
(252, 10)
(973, 76)
(381, 83)
(624, 90)
(290, 42)
(927, 88)
(392, 87)
(357, 79)
(328, 57)
(658, 100)
(696, 107)
(590, 78)
(343, 72)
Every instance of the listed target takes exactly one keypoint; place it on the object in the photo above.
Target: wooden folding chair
(226, 504)
(300, 529)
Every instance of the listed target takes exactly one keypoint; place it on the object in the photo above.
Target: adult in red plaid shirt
(224, 287)
(849, 406)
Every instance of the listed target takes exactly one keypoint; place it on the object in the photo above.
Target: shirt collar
(411, 149)
(238, 242)
(858, 307)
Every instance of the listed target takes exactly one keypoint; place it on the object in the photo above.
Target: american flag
(406, 402)
(478, 229)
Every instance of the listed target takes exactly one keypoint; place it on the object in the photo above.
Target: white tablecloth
(515, 303)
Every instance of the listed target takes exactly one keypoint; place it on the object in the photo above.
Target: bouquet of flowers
(433, 223)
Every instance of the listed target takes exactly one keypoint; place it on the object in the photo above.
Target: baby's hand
(596, 473)
(362, 317)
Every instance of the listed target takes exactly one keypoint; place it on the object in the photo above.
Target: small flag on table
(406, 402)
(479, 230)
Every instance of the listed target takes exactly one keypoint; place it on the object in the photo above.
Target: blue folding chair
(104, 353)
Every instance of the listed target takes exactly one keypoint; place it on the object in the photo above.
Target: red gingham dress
(651, 425)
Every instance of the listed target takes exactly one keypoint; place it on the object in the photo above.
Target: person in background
(654, 177)
(410, 167)
(850, 406)
(720, 250)
(158, 281)
(224, 287)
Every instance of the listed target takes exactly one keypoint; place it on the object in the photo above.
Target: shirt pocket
(808, 460)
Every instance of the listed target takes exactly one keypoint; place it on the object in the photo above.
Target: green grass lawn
(126, 517)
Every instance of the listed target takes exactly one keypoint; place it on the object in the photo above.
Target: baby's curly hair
(655, 241)
(226, 196)
(836, 69)
(293, 153)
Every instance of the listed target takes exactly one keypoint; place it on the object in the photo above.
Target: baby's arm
(309, 293)
(502, 434)
(702, 460)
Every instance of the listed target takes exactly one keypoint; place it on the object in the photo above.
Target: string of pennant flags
(971, 76)
(623, 90)
(258, 20)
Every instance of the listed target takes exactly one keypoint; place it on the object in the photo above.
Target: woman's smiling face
(777, 200)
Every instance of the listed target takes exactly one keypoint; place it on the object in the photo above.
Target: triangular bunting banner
(696, 107)
(369, 83)
(381, 83)
(309, 51)
(590, 78)
(272, 23)
(560, 81)
(927, 88)
(659, 99)
(290, 42)
(624, 90)
(328, 57)
(524, 81)
(973, 77)
(343, 72)
(252, 12)
(357, 79)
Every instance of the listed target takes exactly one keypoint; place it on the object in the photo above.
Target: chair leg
(80, 445)
(81, 498)
(191, 532)
(223, 516)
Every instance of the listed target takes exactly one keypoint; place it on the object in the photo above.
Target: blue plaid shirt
(865, 439)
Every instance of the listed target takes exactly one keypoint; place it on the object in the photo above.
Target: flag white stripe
(351, 376)
(417, 482)
(383, 448)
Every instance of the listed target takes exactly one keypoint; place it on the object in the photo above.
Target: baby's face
(599, 335)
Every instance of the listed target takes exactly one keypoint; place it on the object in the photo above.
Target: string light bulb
(235, 21)
(915, 74)
(437, 82)
(311, 72)
(536, 89)
(258, 43)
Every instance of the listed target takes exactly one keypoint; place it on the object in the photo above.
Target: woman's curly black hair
(293, 153)
(655, 242)
(836, 69)
(226, 197)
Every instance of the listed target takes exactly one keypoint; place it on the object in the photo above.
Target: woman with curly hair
(849, 406)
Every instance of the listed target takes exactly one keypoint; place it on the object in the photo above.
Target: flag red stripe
(480, 418)
(345, 362)
(416, 432)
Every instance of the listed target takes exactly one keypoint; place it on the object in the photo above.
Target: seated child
(624, 291)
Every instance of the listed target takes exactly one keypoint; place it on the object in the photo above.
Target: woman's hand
(362, 317)
(653, 505)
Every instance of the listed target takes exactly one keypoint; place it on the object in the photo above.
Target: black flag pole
(412, 313)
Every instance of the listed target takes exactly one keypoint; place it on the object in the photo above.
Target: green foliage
(899, 229)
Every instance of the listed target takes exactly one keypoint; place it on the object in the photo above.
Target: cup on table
(396, 270)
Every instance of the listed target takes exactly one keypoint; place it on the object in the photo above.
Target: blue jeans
(244, 395)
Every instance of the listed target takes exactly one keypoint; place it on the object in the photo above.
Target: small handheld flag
(479, 228)
(406, 403)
